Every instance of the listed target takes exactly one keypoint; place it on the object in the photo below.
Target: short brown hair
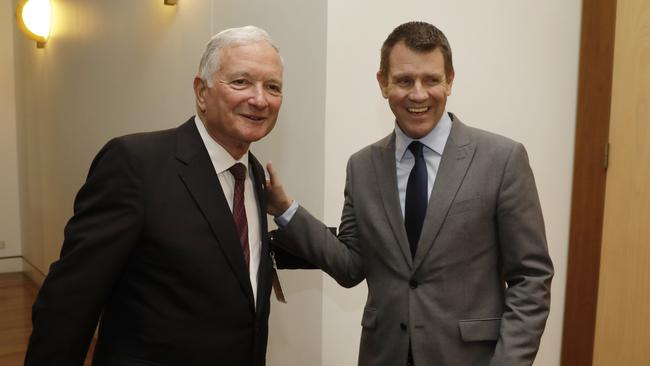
(419, 37)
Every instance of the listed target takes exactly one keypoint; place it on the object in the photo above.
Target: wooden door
(622, 334)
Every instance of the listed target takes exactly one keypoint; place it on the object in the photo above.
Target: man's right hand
(277, 200)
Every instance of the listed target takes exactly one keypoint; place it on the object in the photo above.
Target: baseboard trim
(33, 272)
(18, 263)
(11, 264)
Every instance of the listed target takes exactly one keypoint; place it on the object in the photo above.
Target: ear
(450, 82)
(383, 85)
(200, 89)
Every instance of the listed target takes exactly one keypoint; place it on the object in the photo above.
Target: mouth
(417, 111)
(253, 118)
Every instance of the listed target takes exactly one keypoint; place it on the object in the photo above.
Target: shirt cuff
(283, 220)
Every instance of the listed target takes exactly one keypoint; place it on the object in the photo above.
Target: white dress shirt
(222, 161)
(434, 143)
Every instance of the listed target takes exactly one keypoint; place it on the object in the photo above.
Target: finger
(267, 175)
(273, 178)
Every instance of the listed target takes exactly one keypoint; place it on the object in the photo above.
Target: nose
(418, 93)
(258, 99)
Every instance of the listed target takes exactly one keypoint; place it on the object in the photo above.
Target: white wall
(9, 212)
(516, 74)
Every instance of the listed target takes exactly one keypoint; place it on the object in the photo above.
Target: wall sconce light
(34, 18)
(171, 2)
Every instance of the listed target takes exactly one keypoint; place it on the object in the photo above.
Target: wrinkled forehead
(257, 60)
(251, 49)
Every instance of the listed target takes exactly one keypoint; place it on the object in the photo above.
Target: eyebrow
(248, 75)
(408, 74)
(238, 74)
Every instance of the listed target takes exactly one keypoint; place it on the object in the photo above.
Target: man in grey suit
(442, 220)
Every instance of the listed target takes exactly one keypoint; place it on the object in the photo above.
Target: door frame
(589, 179)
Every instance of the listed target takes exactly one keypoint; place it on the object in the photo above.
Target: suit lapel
(263, 279)
(386, 176)
(198, 175)
(456, 158)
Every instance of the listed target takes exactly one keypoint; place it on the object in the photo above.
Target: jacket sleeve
(284, 259)
(526, 264)
(340, 257)
(107, 220)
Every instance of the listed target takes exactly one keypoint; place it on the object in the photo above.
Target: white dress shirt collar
(221, 159)
(434, 140)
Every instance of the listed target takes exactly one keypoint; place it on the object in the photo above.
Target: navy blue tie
(416, 197)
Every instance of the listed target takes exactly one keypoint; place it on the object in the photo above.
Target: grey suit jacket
(477, 291)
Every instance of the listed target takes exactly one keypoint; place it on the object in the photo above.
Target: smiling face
(416, 88)
(243, 102)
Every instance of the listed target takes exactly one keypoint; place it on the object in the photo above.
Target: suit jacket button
(402, 326)
(413, 284)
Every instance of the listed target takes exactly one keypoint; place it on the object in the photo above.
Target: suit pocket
(475, 330)
(369, 319)
(464, 205)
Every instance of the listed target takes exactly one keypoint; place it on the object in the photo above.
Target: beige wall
(9, 212)
(107, 70)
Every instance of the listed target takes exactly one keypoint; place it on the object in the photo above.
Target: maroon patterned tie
(239, 210)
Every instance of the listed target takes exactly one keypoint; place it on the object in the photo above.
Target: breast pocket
(465, 205)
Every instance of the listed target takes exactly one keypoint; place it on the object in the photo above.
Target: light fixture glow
(34, 18)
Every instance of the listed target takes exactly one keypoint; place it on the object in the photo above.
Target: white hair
(211, 57)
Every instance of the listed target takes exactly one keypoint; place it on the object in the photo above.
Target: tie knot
(416, 148)
(238, 171)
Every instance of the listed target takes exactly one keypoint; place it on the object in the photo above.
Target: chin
(419, 132)
(256, 135)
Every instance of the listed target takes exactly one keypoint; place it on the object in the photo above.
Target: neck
(234, 148)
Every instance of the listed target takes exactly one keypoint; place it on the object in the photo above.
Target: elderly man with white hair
(167, 248)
